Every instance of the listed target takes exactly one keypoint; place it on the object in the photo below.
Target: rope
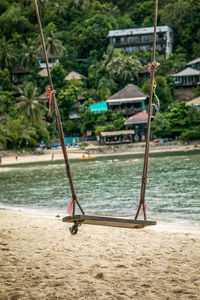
(49, 92)
(152, 69)
(57, 115)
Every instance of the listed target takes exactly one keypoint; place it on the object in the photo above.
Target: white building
(51, 62)
(141, 39)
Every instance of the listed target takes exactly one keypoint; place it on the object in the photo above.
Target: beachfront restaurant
(116, 137)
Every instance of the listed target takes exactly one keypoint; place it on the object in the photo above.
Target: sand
(39, 259)
(98, 151)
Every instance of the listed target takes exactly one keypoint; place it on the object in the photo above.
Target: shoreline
(41, 260)
(98, 152)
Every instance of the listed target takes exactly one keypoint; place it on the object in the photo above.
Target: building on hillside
(195, 102)
(187, 78)
(99, 107)
(116, 137)
(52, 61)
(141, 39)
(130, 99)
(138, 123)
(194, 64)
(74, 75)
(18, 74)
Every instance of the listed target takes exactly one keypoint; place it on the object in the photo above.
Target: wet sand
(39, 259)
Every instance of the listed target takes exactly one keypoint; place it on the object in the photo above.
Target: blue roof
(99, 107)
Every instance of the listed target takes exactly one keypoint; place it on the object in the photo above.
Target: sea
(108, 186)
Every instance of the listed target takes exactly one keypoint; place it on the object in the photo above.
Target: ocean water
(108, 186)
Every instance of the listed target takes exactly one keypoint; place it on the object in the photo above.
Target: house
(141, 39)
(130, 100)
(138, 123)
(195, 102)
(52, 61)
(18, 74)
(187, 78)
(116, 137)
(194, 64)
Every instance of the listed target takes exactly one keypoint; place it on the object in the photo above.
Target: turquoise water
(108, 187)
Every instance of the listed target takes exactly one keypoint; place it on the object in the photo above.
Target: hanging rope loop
(70, 208)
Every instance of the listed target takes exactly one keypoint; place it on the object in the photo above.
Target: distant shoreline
(136, 150)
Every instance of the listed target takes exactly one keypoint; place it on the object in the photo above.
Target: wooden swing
(79, 219)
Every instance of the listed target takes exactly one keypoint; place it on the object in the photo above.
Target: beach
(39, 259)
(9, 158)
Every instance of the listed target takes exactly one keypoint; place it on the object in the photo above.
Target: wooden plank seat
(107, 221)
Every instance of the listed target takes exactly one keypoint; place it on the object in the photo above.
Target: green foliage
(7, 54)
(160, 126)
(121, 68)
(191, 134)
(87, 122)
(19, 131)
(5, 81)
(162, 91)
(29, 104)
(99, 129)
(58, 76)
(6, 102)
(67, 98)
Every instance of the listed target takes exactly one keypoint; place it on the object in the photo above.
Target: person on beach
(52, 157)
(16, 156)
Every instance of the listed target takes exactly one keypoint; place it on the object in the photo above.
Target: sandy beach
(97, 151)
(39, 259)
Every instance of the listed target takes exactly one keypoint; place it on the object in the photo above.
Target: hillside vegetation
(76, 33)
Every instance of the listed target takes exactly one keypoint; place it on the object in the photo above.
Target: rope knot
(153, 66)
(49, 92)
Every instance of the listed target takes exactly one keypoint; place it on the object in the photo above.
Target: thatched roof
(195, 101)
(188, 72)
(74, 75)
(20, 70)
(116, 133)
(43, 73)
(140, 118)
(195, 61)
(130, 93)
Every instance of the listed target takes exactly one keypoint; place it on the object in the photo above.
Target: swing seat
(108, 221)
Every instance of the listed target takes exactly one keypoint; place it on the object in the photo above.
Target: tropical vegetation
(76, 33)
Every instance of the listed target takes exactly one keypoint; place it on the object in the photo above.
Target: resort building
(74, 75)
(194, 64)
(18, 74)
(116, 137)
(187, 78)
(141, 39)
(138, 123)
(195, 102)
(130, 99)
(52, 61)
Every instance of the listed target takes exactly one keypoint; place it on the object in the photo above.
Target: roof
(195, 101)
(188, 72)
(74, 75)
(19, 70)
(135, 31)
(43, 73)
(131, 93)
(99, 107)
(116, 133)
(195, 61)
(140, 118)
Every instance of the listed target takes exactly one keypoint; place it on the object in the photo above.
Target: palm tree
(54, 46)
(61, 8)
(29, 58)
(30, 104)
(7, 56)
